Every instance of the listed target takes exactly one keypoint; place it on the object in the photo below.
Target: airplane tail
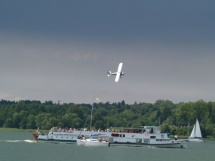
(109, 73)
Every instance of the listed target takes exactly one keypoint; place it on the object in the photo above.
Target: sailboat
(91, 141)
(196, 135)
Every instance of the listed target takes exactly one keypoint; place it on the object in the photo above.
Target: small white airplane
(118, 74)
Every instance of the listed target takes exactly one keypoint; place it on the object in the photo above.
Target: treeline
(173, 118)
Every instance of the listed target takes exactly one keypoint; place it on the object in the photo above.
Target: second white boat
(93, 142)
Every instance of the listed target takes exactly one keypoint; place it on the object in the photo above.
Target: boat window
(152, 137)
(115, 135)
(162, 139)
(122, 135)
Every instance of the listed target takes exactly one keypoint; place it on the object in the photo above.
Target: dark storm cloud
(65, 47)
(113, 20)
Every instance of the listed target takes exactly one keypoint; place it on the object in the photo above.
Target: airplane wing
(117, 77)
(119, 68)
(118, 73)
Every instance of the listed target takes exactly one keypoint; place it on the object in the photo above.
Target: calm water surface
(19, 146)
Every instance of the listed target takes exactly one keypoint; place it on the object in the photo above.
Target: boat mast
(91, 118)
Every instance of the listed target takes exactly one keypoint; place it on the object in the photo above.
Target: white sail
(196, 134)
(192, 135)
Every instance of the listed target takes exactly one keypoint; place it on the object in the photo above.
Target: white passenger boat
(148, 135)
(56, 135)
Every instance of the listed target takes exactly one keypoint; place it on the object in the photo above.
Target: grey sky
(62, 50)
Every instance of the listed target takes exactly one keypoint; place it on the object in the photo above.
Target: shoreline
(2, 129)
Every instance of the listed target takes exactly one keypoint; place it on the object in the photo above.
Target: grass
(16, 130)
(2, 129)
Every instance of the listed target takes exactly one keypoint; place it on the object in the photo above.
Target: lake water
(19, 146)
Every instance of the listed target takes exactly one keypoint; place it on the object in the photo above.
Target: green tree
(31, 124)
(8, 123)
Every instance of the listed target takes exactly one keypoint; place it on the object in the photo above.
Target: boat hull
(158, 145)
(196, 140)
(81, 142)
(92, 142)
(170, 145)
(96, 143)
